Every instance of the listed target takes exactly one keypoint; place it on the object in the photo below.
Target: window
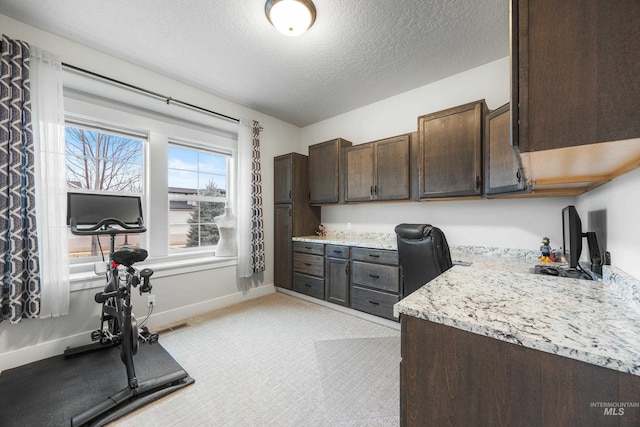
(102, 160)
(198, 185)
(182, 166)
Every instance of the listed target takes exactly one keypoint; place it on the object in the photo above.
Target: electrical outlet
(151, 300)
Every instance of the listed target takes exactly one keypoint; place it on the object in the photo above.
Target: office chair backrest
(423, 253)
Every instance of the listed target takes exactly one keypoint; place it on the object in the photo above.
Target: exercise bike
(118, 325)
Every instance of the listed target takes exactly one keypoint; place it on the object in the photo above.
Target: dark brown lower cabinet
(450, 377)
(308, 269)
(337, 274)
(283, 246)
(375, 281)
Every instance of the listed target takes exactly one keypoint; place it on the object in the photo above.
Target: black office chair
(424, 254)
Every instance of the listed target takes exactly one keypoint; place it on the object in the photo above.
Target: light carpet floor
(280, 361)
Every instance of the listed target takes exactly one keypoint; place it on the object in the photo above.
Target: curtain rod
(167, 99)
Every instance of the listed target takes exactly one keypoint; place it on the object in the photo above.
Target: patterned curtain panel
(257, 229)
(19, 261)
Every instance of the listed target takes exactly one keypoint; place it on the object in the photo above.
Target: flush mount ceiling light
(290, 17)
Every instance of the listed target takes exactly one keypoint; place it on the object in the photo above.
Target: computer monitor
(572, 236)
(90, 209)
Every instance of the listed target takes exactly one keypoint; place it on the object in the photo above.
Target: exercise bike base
(88, 348)
(169, 382)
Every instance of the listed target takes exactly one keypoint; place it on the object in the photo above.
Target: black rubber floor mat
(50, 392)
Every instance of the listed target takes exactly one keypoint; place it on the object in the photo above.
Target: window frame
(160, 128)
(92, 125)
(198, 147)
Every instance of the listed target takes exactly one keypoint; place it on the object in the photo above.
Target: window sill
(162, 267)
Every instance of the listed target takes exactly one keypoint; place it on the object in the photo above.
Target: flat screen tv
(572, 236)
(89, 209)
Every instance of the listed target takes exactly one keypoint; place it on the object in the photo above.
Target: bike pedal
(148, 337)
(96, 335)
(153, 338)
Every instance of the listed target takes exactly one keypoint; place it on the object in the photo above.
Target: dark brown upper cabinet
(378, 170)
(324, 171)
(575, 72)
(503, 174)
(283, 179)
(451, 152)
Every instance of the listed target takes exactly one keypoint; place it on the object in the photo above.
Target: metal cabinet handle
(374, 276)
(374, 256)
(307, 264)
(374, 302)
(307, 285)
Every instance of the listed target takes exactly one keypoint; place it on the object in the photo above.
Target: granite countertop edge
(597, 326)
(629, 366)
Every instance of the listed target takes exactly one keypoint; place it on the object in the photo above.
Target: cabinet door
(358, 173)
(324, 171)
(575, 72)
(392, 178)
(502, 167)
(451, 151)
(283, 179)
(283, 252)
(337, 281)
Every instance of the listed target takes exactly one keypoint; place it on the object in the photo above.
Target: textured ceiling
(356, 53)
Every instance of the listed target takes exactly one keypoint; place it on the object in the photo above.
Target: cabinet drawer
(308, 264)
(312, 286)
(380, 256)
(385, 277)
(373, 302)
(336, 251)
(309, 248)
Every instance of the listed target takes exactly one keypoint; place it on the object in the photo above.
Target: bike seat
(129, 256)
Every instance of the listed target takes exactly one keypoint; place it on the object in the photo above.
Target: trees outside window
(102, 162)
(197, 194)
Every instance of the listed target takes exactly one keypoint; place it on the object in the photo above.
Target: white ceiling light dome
(291, 17)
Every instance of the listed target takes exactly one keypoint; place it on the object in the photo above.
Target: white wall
(620, 199)
(177, 296)
(500, 223)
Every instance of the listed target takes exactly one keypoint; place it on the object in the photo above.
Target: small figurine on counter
(545, 249)
(321, 231)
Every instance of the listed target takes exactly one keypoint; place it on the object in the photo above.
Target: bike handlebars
(103, 228)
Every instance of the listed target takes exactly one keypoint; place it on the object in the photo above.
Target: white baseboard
(366, 316)
(56, 347)
(181, 313)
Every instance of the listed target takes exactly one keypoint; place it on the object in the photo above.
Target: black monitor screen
(571, 235)
(90, 209)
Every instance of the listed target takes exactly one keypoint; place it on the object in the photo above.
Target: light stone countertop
(364, 240)
(496, 296)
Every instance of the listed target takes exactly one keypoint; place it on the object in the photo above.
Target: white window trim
(198, 146)
(159, 133)
(86, 280)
